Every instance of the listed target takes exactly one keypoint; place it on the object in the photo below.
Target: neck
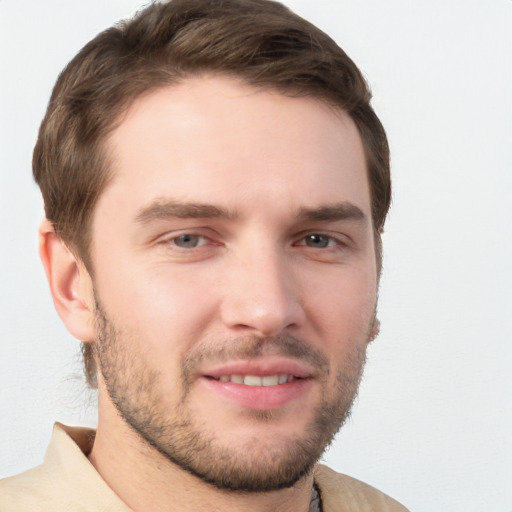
(146, 480)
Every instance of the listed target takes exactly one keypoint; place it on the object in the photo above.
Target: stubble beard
(134, 389)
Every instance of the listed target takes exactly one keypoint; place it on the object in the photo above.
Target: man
(215, 185)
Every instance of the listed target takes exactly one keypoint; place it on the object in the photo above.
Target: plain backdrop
(433, 423)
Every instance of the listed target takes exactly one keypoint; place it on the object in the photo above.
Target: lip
(262, 366)
(259, 397)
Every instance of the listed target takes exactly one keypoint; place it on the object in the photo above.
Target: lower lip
(260, 397)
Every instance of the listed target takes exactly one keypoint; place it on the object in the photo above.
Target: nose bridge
(262, 296)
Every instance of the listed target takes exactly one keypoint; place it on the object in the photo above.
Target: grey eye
(187, 241)
(317, 241)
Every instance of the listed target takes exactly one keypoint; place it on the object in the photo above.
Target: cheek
(345, 305)
(161, 305)
(346, 317)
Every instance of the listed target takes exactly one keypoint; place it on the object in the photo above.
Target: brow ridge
(162, 209)
(333, 212)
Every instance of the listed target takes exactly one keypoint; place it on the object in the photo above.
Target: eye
(188, 241)
(318, 241)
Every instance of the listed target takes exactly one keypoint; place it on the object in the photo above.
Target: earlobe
(70, 283)
(375, 330)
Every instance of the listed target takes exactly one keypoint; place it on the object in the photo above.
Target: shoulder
(62, 483)
(30, 491)
(342, 493)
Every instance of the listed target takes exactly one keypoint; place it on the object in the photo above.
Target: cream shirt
(68, 482)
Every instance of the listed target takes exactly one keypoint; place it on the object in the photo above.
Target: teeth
(256, 380)
(252, 380)
(271, 380)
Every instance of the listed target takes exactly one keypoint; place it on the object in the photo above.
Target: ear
(70, 284)
(375, 329)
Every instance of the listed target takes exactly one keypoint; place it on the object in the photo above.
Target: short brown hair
(259, 41)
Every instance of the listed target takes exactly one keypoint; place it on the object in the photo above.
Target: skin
(282, 256)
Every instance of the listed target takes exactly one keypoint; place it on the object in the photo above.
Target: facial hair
(135, 389)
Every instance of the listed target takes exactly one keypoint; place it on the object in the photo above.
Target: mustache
(252, 347)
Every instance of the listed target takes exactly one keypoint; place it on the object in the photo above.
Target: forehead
(217, 140)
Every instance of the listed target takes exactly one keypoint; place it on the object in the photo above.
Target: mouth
(256, 380)
(259, 384)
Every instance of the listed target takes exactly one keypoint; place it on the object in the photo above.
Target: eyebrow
(333, 212)
(164, 209)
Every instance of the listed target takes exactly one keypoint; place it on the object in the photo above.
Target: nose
(262, 296)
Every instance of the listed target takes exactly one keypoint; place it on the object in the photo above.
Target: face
(235, 279)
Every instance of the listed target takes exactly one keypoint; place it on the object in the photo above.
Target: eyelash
(302, 241)
(186, 235)
(330, 240)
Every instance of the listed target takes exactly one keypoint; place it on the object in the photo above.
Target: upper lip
(261, 366)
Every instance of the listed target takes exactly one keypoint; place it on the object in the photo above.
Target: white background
(433, 423)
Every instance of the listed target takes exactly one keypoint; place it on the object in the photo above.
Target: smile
(257, 390)
(256, 380)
